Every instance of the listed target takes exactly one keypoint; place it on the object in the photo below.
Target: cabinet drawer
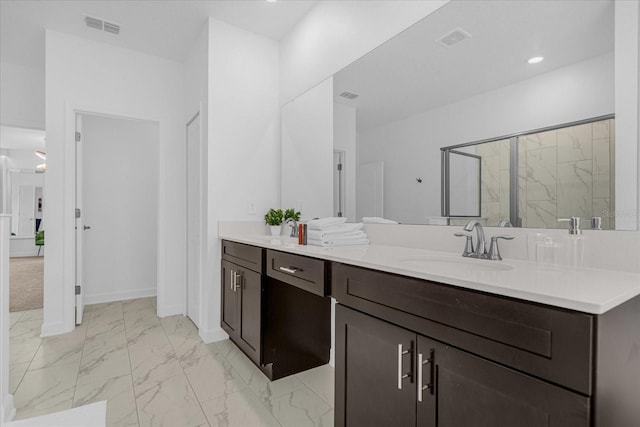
(547, 342)
(305, 273)
(244, 255)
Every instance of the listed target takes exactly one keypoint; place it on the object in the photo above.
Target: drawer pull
(401, 376)
(290, 270)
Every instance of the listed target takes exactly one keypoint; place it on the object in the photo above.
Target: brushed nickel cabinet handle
(401, 376)
(238, 283)
(421, 363)
(233, 279)
(290, 270)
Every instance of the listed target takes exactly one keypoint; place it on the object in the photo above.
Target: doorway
(194, 218)
(116, 209)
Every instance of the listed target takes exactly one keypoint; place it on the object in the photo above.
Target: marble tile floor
(155, 372)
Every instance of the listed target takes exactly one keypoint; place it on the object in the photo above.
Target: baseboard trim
(212, 335)
(120, 296)
(29, 254)
(56, 328)
(8, 410)
(171, 310)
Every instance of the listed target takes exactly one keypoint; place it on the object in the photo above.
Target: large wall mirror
(462, 76)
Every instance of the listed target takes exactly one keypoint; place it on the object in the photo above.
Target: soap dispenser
(574, 252)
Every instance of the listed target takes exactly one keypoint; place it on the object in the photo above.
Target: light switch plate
(251, 208)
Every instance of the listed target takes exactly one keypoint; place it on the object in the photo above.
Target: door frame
(68, 222)
(200, 255)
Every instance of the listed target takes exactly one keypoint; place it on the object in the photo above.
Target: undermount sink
(451, 263)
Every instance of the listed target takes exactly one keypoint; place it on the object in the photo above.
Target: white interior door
(119, 194)
(26, 210)
(194, 229)
(81, 228)
(370, 194)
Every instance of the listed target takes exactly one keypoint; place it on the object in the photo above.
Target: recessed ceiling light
(271, 1)
(535, 59)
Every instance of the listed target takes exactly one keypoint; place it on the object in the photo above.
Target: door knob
(86, 227)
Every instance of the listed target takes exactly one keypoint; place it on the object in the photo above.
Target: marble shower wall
(495, 181)
(567, 172)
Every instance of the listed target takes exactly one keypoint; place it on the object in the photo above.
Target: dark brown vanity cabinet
(275, 308)
(389, 376)
(242, 287)
(413, 352)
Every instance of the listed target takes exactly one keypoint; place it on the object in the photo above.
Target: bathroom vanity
(428, 338)
(275, 308)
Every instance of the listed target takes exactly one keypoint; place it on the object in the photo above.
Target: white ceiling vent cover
(111, 28)
(349, 95)
(455, 36)
(92, 22)
(99, 24)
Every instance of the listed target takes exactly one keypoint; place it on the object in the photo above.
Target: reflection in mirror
(538, 178)
(418, 92)
(461, 184)
(22, 179)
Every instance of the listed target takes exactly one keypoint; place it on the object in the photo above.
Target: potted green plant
(273, 218)
(291, 214)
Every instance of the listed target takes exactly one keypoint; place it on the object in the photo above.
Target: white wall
(22, 100)
(243, 143)
(23, 159)
(627, 51)
(335, 33)
(344, 139)
(7, 411)
(307, 152)
(120, 205)
(410, 148)
(96, 77)
(197, 100)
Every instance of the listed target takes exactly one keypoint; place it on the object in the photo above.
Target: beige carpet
(26, 278)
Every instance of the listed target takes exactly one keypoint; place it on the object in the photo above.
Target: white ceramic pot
(275, 230)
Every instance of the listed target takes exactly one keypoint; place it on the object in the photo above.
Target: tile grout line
(84, 345)
(133, 386)
(184, 373)
(32, 357)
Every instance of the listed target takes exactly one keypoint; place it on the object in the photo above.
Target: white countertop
(588, 290)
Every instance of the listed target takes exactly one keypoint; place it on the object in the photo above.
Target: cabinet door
(229, 298)
(473, 391)
(250, 299)
(375, 385)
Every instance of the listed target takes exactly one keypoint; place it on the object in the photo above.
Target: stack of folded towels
(335, 231)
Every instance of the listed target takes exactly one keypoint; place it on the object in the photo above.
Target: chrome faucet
(504, 223)
(294, 227)
(480, 250)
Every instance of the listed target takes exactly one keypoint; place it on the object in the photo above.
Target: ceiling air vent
(453, 37)
(100, 24)
(111, 28)
(93, 22)
(348, 95)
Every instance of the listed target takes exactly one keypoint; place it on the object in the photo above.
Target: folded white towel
(358, 235)
(377, 220)
(342, 230)
(325, 223)
(328, 244)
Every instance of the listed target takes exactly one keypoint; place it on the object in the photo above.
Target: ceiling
(21, 139)
(165, 28)
(413, 73)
